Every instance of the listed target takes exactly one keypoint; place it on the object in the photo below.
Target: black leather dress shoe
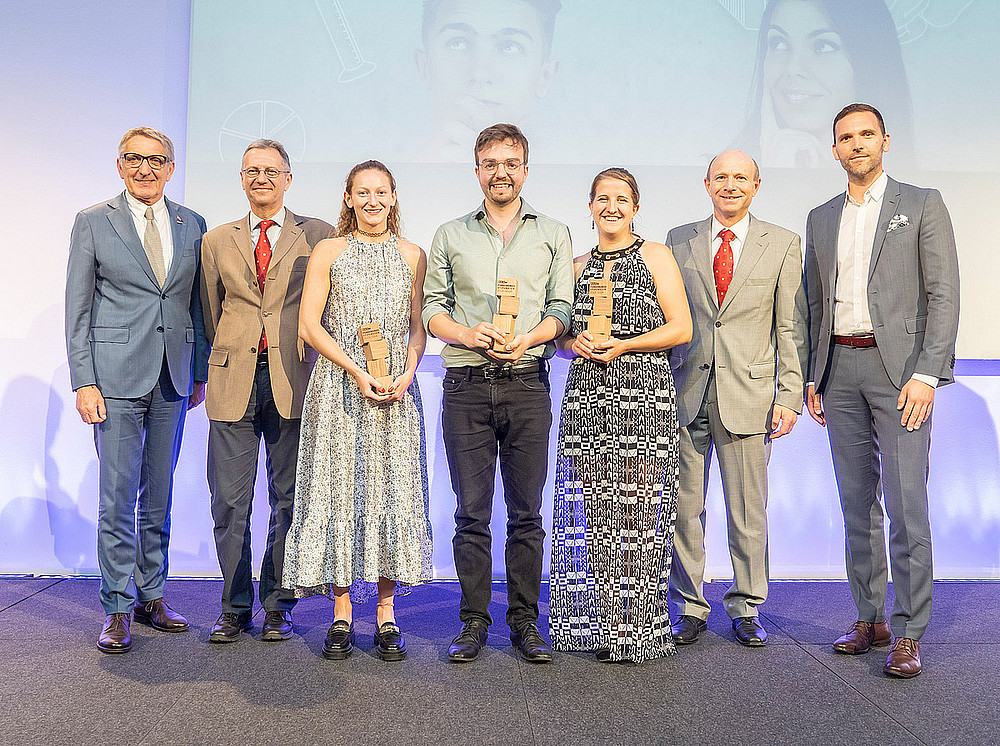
(159, 616)
(686, 629)
(749, 632)
(277, 626)
(339, 640)
(467, 644)
(389, 642)
(229, 626)
(115, 635)
(530, 644)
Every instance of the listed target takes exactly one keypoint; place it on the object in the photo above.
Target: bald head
(733, 154)
(732, 181)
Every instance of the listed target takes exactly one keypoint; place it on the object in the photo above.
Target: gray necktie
(154, 248)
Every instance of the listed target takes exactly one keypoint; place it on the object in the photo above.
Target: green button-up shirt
(468, 255)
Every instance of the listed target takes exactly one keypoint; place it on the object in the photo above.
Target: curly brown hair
(347, 223)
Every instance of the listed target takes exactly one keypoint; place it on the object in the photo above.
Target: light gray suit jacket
(912, 284)
(757, 339)
(119, 321)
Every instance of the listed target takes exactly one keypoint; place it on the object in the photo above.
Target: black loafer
(229, 626)
(529, 643)
(603, 655)
(277, 626)
(339, 640)
(749, 632)
(467, 643)
(686, 629)
(389, 642)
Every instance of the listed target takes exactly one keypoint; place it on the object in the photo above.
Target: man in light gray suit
(138, 359)
(738, 387)
(882, 280)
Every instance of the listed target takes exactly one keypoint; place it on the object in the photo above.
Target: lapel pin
(179, 221)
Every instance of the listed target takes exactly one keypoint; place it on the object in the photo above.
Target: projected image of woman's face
(807, 72)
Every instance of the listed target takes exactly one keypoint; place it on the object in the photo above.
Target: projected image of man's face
(484, 61)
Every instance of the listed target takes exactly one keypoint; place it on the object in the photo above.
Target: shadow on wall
(39, 506)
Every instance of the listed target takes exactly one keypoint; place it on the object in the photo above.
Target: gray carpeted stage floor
(57, 688)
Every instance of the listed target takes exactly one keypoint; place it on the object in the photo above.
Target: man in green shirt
(496, 389)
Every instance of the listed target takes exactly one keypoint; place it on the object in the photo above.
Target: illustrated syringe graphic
(344, 44)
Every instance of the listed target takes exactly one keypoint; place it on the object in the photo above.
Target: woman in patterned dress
(617, 468)
(361, 525)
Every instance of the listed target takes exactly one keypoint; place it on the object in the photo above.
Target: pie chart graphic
(256, 119)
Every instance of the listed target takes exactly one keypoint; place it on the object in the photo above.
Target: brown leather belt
(859, 340)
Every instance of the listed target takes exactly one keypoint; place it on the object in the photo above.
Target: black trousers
(232, 471)
(482, 419)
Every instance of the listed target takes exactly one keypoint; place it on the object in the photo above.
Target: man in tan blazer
(257, 374)
(739, 385)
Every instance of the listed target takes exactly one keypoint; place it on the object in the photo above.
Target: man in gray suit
(138, 362)
(882, 280)
(738, 387)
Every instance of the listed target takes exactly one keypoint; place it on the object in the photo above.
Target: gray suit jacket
(912, 284)
(757, 339)
(119, 321)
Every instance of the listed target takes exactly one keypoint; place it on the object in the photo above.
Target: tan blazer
(236, 312)
(757, 342)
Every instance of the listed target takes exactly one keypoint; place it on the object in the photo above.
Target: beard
(505, 198)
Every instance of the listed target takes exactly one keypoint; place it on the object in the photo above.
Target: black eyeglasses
(271, 173)
(134, 160)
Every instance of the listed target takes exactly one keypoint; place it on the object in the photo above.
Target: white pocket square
(898, 221)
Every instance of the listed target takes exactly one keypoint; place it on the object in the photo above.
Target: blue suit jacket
(119, 322)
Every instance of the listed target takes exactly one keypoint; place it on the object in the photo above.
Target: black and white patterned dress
(361, 491)
(616, 483)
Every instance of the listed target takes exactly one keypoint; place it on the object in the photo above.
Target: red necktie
(723, 264)
(262, 258)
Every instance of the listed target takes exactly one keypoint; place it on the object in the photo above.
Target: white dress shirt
(855, 242)
(272, 232)
(161, 216)
(740, 229)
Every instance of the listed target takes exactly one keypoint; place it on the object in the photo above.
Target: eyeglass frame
(263, 171)
(147, 158)
(492, 169)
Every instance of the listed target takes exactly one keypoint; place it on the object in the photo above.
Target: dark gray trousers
(232, 471)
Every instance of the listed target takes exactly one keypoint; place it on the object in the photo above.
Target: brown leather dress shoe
(861, 636)
(904, 659)
(159, 616)
(115, 636)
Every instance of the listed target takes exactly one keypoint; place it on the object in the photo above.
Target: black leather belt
(857, 340)
(493, 372)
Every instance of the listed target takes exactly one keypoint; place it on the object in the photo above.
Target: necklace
(373, 235)
(610, 256)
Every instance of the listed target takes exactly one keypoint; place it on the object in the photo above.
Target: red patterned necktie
(723, 264)
(262, 258)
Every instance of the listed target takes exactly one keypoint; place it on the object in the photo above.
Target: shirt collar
(139, 208)
(875, 192)
(278, 219)
(740, 229)
(526, 211)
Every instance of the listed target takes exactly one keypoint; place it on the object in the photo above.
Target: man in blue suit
(138, 359)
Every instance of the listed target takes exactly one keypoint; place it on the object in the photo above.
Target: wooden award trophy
(508, 304)
(376, 353)
(599, 320)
